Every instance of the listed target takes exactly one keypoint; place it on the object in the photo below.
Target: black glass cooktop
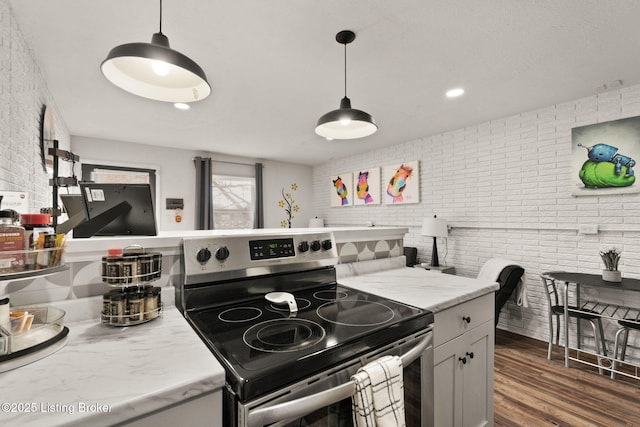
(263, 346)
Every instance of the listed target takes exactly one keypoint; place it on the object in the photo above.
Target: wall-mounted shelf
(58, 181)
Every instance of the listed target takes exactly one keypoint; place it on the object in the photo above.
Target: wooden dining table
(595, 281)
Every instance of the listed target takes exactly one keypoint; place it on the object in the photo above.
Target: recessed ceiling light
(181, 106)
(454, 93)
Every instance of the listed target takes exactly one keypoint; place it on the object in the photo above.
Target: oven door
(325, 398)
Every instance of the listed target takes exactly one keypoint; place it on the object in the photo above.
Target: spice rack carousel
(135, 300)
(34, 332)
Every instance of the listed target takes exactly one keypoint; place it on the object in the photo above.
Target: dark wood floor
(533, 391)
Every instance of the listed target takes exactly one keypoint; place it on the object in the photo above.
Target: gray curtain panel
(258, 221)
(204, 204)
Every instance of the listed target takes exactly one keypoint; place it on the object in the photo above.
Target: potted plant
(611, 256)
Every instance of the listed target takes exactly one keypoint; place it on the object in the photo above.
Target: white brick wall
(504, 186)
(22, 94)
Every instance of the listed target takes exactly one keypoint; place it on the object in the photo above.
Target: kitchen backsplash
(84, 259)
(368, 250)
(82, 279)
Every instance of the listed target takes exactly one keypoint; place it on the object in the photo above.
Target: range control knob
(203, 255)
(222, 253)
(315, 245)
(303, 246)
(326, 244)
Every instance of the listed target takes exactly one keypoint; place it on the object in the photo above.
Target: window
(104, 174)
(233, 201)
(108, 176)
(118, 174)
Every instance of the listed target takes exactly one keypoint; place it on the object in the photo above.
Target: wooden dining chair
(556, 309)
(626, 325)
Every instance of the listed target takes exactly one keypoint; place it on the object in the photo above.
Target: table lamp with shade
(434, 227)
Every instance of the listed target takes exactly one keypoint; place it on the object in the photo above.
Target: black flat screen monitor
(117, 210)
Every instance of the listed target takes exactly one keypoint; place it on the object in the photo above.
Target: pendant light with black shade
(346, 122)
(155, 71)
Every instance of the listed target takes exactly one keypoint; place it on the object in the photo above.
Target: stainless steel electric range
(289, 336)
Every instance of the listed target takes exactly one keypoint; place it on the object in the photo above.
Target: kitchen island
(156, 373)
(463, 336)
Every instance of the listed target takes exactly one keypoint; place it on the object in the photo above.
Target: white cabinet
(463, 364)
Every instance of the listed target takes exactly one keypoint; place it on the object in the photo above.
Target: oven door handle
(305, 405)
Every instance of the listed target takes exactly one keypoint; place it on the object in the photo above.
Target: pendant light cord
(160, 16)
(345, 69)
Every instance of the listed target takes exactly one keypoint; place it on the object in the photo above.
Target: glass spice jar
(117, 309)
(11, 244)
(135, 306)
(152, 303)
(112, 266)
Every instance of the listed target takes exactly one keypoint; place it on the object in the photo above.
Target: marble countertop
(169, 242)
(105, 375)
(430, 290)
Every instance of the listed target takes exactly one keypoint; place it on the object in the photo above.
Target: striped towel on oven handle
(379, 397)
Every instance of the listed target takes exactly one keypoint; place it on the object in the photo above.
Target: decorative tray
(27, 274)
(35, 332)
(23, 263)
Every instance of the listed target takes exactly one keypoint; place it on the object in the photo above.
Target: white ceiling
(275, 66)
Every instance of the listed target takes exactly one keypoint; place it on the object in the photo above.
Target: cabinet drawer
(456, 320)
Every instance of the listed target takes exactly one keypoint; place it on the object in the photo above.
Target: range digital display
(273, 248)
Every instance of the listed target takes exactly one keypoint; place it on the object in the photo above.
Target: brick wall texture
(503, 185)
(505, 188)
(23, 92)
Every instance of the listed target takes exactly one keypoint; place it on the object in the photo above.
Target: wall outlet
(588, 229)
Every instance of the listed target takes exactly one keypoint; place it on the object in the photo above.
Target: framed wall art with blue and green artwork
(604, 156)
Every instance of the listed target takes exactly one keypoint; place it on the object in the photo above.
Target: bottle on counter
(12, 244)
(34, 225)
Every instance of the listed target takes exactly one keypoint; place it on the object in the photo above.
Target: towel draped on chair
(379, 397)
(491, 271)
